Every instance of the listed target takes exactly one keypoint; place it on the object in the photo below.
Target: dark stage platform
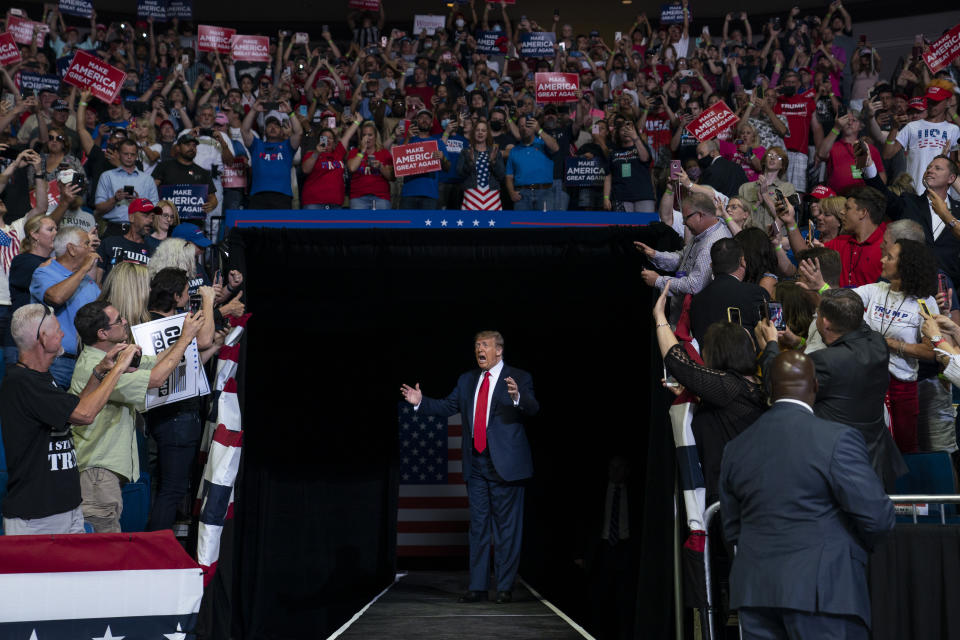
(423, 604)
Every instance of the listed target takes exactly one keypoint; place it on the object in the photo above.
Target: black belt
(549, 185)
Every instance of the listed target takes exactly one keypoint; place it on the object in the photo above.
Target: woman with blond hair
(127, 287)
(148, 149)
(371, 170)
(174, 252)
(163, 224)
(37, 246)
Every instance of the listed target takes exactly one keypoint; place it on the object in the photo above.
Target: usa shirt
(270, 164)
(923, 141)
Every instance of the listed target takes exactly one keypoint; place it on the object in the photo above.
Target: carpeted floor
(424, 604)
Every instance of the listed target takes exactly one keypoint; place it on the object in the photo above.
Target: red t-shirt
(658, 130)
(366, 181)
(424, 93)
(860, 261)
(325, 185)
(841, 167)
(798, 110)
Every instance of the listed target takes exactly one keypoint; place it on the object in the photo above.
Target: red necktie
(480, 415)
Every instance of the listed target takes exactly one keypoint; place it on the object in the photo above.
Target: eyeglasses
(165, 216)
(46, 312)
(120, 320)
(57, 138)
(695, 213)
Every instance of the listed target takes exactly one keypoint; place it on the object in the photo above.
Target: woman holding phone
(324, 168)
(893, 309)
(371, 170)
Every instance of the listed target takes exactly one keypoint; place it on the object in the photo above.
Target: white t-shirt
(895, 316)
(923, 141)
(9, 248)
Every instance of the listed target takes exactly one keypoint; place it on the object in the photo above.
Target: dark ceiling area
(254, 16)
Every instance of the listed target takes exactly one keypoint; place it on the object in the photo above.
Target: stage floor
(423, 604)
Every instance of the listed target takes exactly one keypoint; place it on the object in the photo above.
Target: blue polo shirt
(88, 291)
(529, 164)
(115, 179)
(425, 185)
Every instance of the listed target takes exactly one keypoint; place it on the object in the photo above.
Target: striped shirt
(693, 262)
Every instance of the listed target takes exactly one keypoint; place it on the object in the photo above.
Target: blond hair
(127, 288)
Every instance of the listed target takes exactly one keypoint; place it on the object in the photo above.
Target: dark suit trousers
(496, 510)
(767, 623)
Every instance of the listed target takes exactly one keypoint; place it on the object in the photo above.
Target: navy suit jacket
(800, 499)
(506, 437)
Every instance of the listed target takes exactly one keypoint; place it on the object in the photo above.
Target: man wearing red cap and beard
(924, 139)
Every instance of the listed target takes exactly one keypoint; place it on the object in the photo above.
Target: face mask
(496, 125)
(444, 123)
(693, 173)
(789, 91)
(460, 23)
(704, 162)
(121, 52)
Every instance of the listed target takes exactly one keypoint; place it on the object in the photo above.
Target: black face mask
(705, 161)
(496, 125)
(788, 92)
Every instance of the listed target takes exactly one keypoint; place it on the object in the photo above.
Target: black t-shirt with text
(630, 176)
(35, 413)
(116, 249)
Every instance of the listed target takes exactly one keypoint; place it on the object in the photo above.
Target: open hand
(512, 389)
(412, 395)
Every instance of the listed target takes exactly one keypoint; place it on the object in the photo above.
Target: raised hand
(512, 389)
(413, 395)
(650, 252)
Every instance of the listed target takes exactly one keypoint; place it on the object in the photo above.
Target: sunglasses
(46, 312)
(57, 138)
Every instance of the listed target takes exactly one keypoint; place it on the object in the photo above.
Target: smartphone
(794, 200)
(942, 284)
(758, 91)
(810, 231)
(556, 12)
(924, 307)
(618, 35)
(185, 60)
(675, 168)
(686, 73)
(135, 361)
(383, 41)
(332, 122)
(128, 190)
(347, 112)
(595, 130)
(781, 201)
(668, 379)
(733, 315)
(196, 303)
(775, 313)
(563, 46)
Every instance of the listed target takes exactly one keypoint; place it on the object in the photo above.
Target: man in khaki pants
(107, 447)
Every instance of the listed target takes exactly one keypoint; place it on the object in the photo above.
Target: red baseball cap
(143, 205)
(822, 191)
(936, 93)
(920, 104)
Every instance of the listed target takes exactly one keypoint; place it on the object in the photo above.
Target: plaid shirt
(694, 261)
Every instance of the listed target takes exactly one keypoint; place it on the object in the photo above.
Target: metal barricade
(913, 500)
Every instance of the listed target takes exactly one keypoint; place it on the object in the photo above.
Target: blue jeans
(417, 202)
(62, 371)
(560, 197)
(534, 200)
(369, 202)
(177, 437)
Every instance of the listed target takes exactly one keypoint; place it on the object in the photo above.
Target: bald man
(801, 501)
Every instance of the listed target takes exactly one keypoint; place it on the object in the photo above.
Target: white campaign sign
(430, 24)
(188, 379)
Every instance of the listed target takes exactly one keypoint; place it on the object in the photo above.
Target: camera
(205, 131)
(135, 361)
(271, 106)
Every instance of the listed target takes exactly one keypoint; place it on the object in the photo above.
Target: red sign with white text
(22, 29)
(251, 48)
(90, 72)
(556, 87)
(9, 51)
(214, 39)
(711, 122)
(364, 5)
(943, 50)
(419, 157)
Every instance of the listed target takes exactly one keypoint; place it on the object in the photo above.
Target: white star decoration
(459, 223)
(476, 223)
(33, 635)
(178, 635)
(491, 223)
(443, 223)
(428, 222)
(109, 636)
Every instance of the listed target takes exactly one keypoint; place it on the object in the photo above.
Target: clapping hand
(412, 395)
(512, 389)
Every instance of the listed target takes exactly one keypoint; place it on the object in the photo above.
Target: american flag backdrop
(433, 517)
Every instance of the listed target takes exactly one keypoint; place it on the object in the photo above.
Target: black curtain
(343, 317)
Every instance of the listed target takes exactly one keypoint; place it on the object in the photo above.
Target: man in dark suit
(727, 290)
(493, 400)
(804, 507)
(936, 211)
(723, 175)
(852, 377)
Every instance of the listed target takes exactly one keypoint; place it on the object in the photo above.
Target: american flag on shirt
(432, 518)
(9, 248)
(482, 197)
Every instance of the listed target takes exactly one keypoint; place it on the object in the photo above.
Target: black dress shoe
(503, 597)
(472, 596)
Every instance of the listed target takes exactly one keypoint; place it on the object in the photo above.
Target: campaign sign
(82, 8)
(673, 14)
(182, 9)
(214, 39)
(90, 72)
(37, 82)
(22, 29)
(63, 64)
(584, 172)
(943, 51)
(430, 24)
(713, 121)
(411, 159)
(189, 199)
(364, 5)
(537, 44)
(188, 378)
(487, 42)
(156, 9)
(556, 87)
(251, 48)
(301, 37)
(9, 51)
